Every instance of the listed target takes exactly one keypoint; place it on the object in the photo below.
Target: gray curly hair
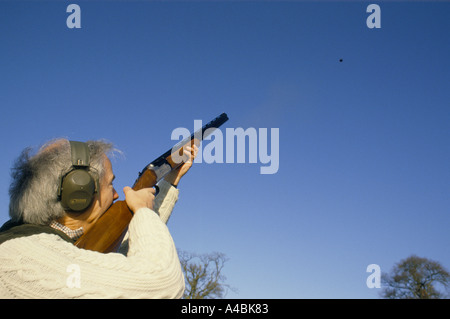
(33, 190)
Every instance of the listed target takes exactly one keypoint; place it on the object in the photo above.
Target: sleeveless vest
(11, 230)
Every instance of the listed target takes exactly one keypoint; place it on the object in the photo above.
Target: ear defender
(77, 187)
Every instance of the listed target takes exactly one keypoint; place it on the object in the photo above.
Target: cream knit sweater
(46, 266)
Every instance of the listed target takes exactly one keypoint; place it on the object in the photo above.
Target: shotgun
(107, 233)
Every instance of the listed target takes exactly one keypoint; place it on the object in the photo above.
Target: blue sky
(364, 143)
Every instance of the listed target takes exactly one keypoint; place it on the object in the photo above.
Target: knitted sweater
(46, 266)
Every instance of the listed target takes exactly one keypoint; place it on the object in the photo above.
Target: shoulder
(32, 242)
(14, 231)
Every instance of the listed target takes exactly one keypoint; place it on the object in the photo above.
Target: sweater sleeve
(45, 266)
(165, 200)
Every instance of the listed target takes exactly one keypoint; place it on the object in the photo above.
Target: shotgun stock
(107, 233)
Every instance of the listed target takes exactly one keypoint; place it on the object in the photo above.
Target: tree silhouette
(416, 278)
(203, 275)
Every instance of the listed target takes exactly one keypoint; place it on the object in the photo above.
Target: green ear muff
(77, 187)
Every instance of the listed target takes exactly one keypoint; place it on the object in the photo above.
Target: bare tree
(416, 278)
(203, 275)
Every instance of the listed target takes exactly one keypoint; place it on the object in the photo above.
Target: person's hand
(138, 199)
(174, 176)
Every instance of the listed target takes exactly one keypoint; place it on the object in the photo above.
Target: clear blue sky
(364, 143)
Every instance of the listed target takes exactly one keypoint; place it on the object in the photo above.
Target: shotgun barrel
(107, 233)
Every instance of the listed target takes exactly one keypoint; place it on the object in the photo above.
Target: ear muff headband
(78, 186)
(80, 154)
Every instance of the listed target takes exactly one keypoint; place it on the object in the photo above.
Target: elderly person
(37, 255)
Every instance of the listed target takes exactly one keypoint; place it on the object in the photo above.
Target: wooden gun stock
(107, 233)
